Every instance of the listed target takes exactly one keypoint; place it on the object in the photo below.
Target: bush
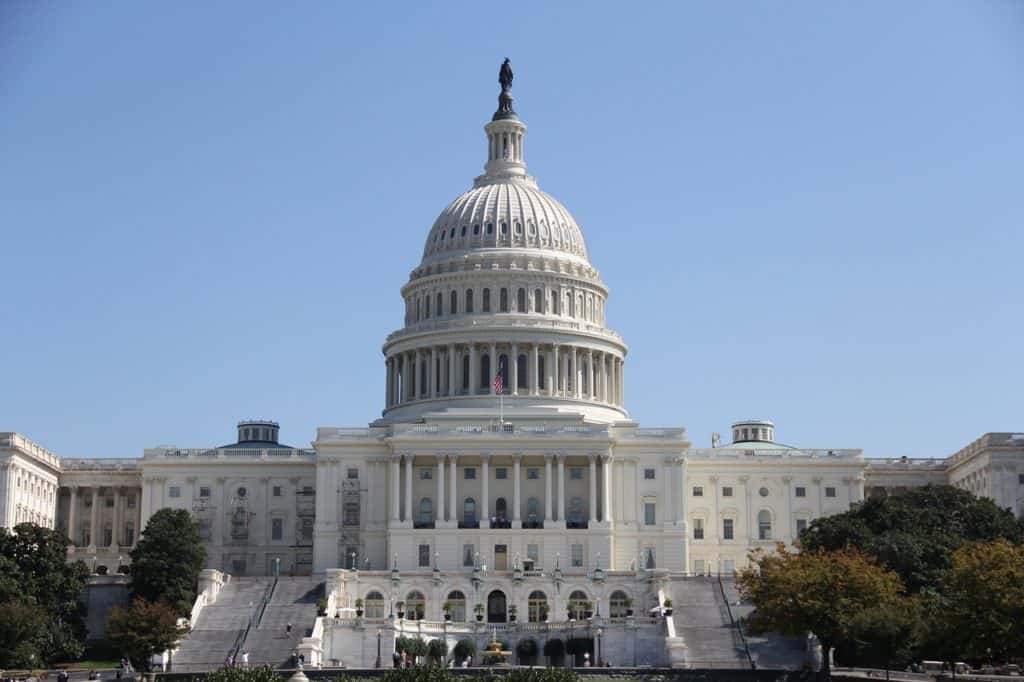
(260, 674)
(554, 649)
(422, 674)
(542, 675)
(577, 646)
(464, 648)
(526, 647)
(437, 650)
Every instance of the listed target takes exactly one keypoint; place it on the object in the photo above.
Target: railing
(453, 627)
(101, 464)
(736, 624)
(498, 428)
(502, 321)
(16, 440)
(228, 453)
(254, 620)
(733, 452)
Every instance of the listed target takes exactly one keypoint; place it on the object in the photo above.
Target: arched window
(440, 304)
(465, 373)
(456, 604)
(485, 371)
(486, 305)
(469, 511)
(619, 604)
(469, 300)
(578, 606)
(426, 307)
(417, 309)
(463, 233)
(537, 607)
(422, 387)
(568, 305)
(538, 301)
(554, 302)
(521, 372)
(501, 510)
(415, 605)
(374, 604)
(521, 301)
(453, 303)
(764, 525)
(426, 511)
(503, 300)
(541, 373)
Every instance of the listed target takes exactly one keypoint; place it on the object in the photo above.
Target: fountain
(494, 654)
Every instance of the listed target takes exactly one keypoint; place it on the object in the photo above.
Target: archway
(497, 607)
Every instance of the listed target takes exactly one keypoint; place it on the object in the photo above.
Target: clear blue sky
(811, 212)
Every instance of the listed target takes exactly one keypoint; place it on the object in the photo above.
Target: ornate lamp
(598, 574)
(556, 575)
(396, 577)
(437, 571)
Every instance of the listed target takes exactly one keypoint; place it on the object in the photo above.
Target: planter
(588, 614)
(629, 613)
(447, 616)
(512, 618)
(479, 618)
(668, 613)
(401, 615)
(359, 613)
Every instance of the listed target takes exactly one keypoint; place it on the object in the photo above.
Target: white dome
(513, 214)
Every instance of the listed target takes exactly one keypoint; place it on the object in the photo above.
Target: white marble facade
(453, 476)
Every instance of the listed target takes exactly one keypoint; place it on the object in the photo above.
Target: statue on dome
(505, 75)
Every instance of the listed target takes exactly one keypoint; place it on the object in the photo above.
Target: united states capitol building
(534, 508)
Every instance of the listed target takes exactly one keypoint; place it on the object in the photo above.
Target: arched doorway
(497, 607)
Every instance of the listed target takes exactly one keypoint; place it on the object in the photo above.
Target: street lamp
(277, 566)
(600, 631)
(377, 663)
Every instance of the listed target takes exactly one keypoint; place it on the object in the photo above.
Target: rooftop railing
(101, 464)
(229, 453)
(32, 449)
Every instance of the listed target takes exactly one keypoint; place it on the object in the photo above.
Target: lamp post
(600, 631)
(377, 662)
(277, 567)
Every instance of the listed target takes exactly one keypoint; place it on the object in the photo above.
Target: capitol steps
(701, 620)
(293, 601)
(768, 650)
(219, 626)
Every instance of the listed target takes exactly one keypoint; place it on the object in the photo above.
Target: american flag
(499, 385)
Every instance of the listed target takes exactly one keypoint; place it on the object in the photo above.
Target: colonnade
(565, 371)
(124, 517)
(552, 512)
(30, 497)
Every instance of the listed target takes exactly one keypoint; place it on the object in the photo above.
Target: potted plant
(627, 603)
(571, 611)
(588, 609)
(543, 612)
(479, 611)
(512, 611)
(667, 607)
(359, 608)
(448, 607)
(400, 609)
(321, 606)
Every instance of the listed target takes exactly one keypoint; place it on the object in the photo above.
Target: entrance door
(501, 557)
(496, 607)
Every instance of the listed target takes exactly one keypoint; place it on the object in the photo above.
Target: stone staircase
(769, 650)
(293, 601)
(219, 626)
(701, 619)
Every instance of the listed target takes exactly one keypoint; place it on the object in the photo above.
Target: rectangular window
(204, 530)
(698, 529)
(801, 526)
(108, 502)
(698, 491)
(424, 554)
(467, 555)
(108, 536)
(129, 534)
(576, 473)
(131, 502)
(533, 553)
(698, 566)
(307, 490)
(649, 474)
(501, 473)
(830, 492)
(350, 514)
(1020, 479)
(801, 491)
(728, 566)
(277, 491)
(727, 529)
(174, 491)
(486, 305)
(650, 516)
(204, 491)
(577, 555)
(533, 473)
(276, 529)
(727, 491)
(353, 474)
(426, 474)
(238, 566)
(469, 473)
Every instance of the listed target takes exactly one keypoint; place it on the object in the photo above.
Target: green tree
(437, 649)
(144, 629)
(22, 629)
(884, 635)
(34, 571)
(464, 648)
(983, 602)
(799, 592)
(167, 560)
(914, 533)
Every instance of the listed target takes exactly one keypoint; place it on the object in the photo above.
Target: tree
(34, 572)
(464, 648)
(984, 601)
(167, 560)
(554, 650)
(437, 649)
(144, 629)
(914, 533)
(796, 593)
(21, 633)
(885, 634)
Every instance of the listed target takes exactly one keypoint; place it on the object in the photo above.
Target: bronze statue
(505, 75)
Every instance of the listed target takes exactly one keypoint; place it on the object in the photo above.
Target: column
(394, 489)
(561, 488)
(681, 493)
(591, 381)
(577, 384)
(433, 389)
(513, 374)
(439, 504)
(621, 383)
(451, 370)
(611, 382)
(116, 535)
(565, 372)
(606, 488)
(474, 369)
(494, 368)
(788, 480)
(72, 513)
(387, 382)
(547, 489)
(666, 512)
(417, 379)
(593, 488)
(406, 374)
(535, 374)
(485, 511)
(452, 494)
(516, 459)
(604, 377)
(94, 519)
(553, 371)
(408, 489)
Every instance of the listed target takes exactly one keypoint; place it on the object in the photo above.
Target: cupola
(753, 431)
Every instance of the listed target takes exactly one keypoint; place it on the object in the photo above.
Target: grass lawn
(87, 665)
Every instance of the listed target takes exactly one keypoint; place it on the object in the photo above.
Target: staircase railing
(255, 619)
(735, 623)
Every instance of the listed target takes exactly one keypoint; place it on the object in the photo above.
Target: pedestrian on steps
(288, 629)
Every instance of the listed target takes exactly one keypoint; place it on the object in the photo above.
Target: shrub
(437, 650)
(526, 647)
(464, 648)
(258, 674)
(554, 648)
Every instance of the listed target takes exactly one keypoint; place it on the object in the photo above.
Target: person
(586, 660)
(395, 659)
(288, 629)
(245, 660)
(465, 662)
(228, 661)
